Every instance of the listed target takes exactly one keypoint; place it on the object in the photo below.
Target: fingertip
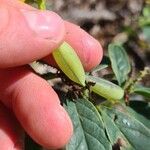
(88, 49)
(42, 116)
(45, 24)
(92, 52)
(62, 130)
(33, 35)
(36, 106)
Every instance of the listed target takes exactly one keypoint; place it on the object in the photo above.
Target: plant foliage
(114, 119)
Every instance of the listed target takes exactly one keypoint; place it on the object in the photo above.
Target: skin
(27, 102)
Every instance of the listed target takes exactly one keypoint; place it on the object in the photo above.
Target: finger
(36, 106)
(87, 48)
(11, 135)
(27, 35)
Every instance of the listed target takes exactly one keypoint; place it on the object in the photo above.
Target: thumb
(27, 34)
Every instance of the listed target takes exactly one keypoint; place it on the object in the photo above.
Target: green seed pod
(69, 63)
(105, 88)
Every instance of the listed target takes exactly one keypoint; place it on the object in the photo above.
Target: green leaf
(146, 32)
(146, 11)
(105, 88)
(69, 63)
(144, 91)
(99, 68)
(145, 19)
(114, 134)
(89, 131)
(120, 62)
(141, 111)
(135, 132)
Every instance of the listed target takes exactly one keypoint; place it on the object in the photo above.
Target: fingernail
(45, 24)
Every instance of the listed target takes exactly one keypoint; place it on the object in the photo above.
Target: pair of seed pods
(70, 64)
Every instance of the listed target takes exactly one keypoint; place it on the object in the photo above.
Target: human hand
(27, 101)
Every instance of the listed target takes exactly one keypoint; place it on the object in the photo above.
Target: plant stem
(133, 81)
